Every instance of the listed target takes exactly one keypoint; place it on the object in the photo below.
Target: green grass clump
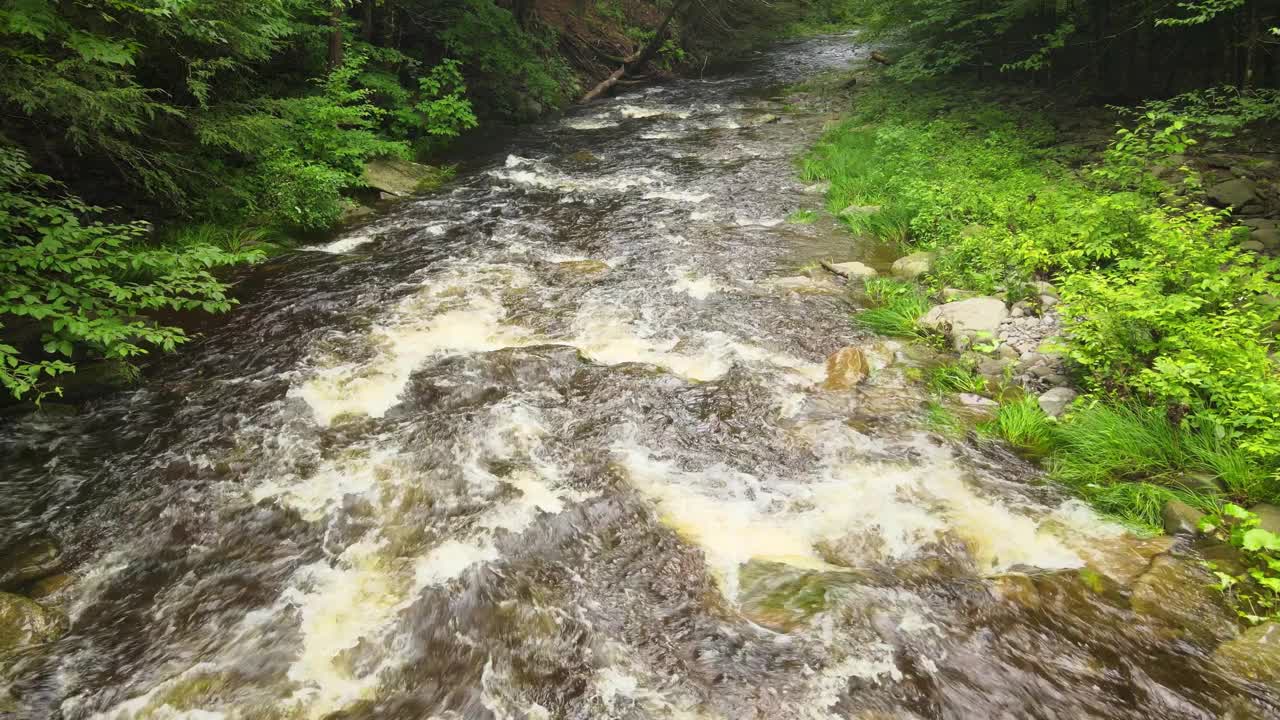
(1023, 425)
(1106, 443)
(802, 217)
(956, 378)
(940, 419)
(895, 307)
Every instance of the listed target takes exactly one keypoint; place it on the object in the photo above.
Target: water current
(554, 442)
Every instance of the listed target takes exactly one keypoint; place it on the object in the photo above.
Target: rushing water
(554, 443)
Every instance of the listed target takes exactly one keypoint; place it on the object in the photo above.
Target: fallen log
(881, 58)
(637, 59)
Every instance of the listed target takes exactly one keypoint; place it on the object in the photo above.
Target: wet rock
(1268, 516)
(1179, 518)
(860, 210)
(1254, 655)
(1234, 194)
(1055, 402)
(44, 587)
(978, 407)
(355, 212)
(25, 623)
(852, 269)
(1201, 482)
(1017, 589)
(583, 267)
(846, 368)
(1252, 246)
(817, 188)
(397, 177)
(914, 265)
(28, 561)
(1180, 592)
(967, 319)
(584, 157)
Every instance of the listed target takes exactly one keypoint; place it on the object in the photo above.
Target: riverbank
(1114, 294)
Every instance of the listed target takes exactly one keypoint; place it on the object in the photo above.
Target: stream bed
(559, 442)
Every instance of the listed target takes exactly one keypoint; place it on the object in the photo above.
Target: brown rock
(846, 367)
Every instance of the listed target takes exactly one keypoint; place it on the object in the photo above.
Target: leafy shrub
(87, 285)
(1255, 592)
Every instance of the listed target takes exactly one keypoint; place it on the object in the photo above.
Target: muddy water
(554, 443)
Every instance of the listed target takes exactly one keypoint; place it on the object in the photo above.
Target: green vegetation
(145, 146)
(803, 217)
(893, 307)
(1254, 589)
(1023, 425)
(955, 378)
(1161, 307)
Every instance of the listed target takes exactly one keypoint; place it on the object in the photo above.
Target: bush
(86, 285)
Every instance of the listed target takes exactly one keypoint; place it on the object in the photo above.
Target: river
(555, 442)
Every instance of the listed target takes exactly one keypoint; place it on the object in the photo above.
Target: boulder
(964, 320)
(355, 212)
(25, 623)
(1268, 237)
(1252, 246)
(914, 265)
(1234, 194)
(1043, 288)
(1268, 516)
(977, 406)
(1254, 655)
(28, 561)
(1054, 402)
(950, 294)
(397, 177)
(1048, 301)
(852, 269)
(1179, 518)
(846, 367)
(1180, 592)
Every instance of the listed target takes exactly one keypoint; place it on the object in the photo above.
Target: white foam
(457, 311)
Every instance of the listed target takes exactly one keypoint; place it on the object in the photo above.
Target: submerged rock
(1254, 655)
(25, 623)
(846, 367)
(1180, 592)
(28, 561)
(1180, 518)
(914, 265)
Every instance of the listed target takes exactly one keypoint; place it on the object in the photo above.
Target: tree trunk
(367, 25)
(335, 36)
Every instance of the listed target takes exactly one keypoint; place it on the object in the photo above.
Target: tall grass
(955, 378)
(1106, 444)
(895, 307)
(1023, 425)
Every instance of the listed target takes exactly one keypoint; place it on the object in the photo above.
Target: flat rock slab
(975, 317)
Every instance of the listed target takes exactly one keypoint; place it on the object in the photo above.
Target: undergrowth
(1169, 324)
